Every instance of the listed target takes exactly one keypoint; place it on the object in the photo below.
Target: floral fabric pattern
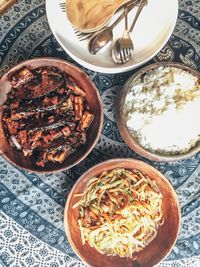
(31, 205)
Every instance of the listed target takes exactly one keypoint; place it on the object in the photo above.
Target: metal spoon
(103, 37)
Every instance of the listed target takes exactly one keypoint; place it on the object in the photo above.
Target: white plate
(152, 30)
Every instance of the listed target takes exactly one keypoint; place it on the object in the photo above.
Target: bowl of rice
(158, 112)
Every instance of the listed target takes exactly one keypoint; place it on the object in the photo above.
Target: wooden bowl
(5, 5)
(152, 254)
(92, 96)
(130, 140)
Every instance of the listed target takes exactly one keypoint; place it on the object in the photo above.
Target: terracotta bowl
(92, 96)
(130, 140)
(152, 254)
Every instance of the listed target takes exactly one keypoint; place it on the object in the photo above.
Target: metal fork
(123, 48)
(83, 35)
(62, 6)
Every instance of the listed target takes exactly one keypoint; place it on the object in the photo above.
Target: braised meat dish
(46, 115)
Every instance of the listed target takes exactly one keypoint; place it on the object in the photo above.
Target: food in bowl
(46, 115)
(120, 212)
(158, 248)
(161, 110)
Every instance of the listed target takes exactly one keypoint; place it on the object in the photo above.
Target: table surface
(31, 205)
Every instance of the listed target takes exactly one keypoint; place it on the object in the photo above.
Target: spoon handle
(129, 7)
(141, 5)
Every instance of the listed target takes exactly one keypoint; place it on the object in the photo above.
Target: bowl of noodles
(120, 213)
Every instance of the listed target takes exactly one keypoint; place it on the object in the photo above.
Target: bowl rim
(123, 129)
(86, 76)
(102, 164)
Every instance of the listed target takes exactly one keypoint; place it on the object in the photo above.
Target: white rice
(162, 110)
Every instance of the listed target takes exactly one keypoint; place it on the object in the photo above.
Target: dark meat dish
(46, 115)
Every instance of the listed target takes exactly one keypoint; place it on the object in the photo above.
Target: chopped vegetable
(119, 212)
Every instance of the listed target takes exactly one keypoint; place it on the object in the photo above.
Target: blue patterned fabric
(31, 205)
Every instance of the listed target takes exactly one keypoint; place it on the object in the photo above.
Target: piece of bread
(91, 15)
(5, 4)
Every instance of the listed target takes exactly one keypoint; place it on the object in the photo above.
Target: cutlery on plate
(82, 36)
(90, 16)
(123, 48)
(104, 36)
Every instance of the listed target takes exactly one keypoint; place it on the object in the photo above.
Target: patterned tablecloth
(31, 205)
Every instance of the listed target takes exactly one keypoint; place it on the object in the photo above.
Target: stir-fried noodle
(119, 212)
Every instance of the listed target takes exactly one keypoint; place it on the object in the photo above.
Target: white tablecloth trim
(19, 248)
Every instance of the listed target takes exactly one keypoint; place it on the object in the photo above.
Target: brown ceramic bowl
(92, 96)
(131, 140)
(152, 254)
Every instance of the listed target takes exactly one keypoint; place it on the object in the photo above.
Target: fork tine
(62, 6)
(124, 55)
(121, 56)
(83, 38)
(128, 52)
(82, 35)
(119, 51)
